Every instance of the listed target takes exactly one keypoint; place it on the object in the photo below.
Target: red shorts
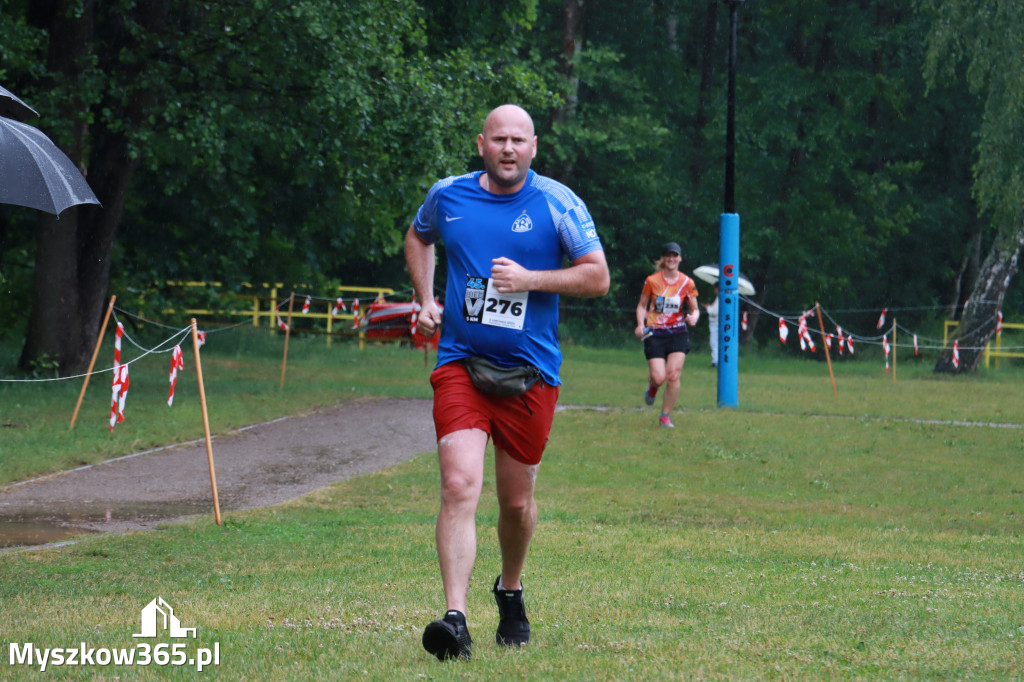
(518, 424)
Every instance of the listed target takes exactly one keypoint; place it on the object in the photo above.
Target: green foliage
(617, 127)
(311, 160)
(20, 48)
(986, 36)
(294, 141)
(45, 367)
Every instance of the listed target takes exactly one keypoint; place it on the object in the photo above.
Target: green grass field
(800, 536)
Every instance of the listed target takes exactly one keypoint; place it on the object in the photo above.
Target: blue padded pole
(728, 310)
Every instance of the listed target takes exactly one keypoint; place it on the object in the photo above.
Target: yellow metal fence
(264, 302)
(997, 352)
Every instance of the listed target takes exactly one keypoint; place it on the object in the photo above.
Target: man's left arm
(587, 276)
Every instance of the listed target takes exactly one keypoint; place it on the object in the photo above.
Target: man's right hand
(428, 319)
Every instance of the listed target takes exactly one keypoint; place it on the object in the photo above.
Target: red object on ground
(391, 321)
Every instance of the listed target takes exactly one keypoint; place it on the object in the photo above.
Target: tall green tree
(834, 169)
(832, 154)
(268, 141)
(243, 139)
(985, 37)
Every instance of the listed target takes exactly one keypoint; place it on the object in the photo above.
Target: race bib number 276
(484, 304)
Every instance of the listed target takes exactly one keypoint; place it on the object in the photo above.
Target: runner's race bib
(484, 304)
(668, 304)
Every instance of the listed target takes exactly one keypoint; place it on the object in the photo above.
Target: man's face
(507, 147)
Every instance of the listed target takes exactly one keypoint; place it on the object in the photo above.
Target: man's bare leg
(517, 515)
(517, 519)
(461, 457)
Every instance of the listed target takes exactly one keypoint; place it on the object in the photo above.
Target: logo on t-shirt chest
(522, 223)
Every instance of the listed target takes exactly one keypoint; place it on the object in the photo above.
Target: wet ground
(257, 466)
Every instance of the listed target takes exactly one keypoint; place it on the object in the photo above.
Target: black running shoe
(449, 637)
(513, 627)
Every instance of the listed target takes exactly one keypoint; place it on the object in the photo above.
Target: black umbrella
(35, 173)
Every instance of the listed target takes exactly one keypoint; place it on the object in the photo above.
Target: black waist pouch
(498, 379)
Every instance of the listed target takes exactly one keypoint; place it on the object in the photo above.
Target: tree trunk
(707, 70)
(667, 12)
(967, 276)
(55, 325)
(72, 273)
(978, 324)
(571, 46)
(572, 43)
(56, 310)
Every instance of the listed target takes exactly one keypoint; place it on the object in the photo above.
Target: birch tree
(984, 40)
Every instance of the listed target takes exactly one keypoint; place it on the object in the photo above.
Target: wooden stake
(206, 421)
(92, 363)
(287, 335)
(894, 350)
(330, 318)
(828, 356)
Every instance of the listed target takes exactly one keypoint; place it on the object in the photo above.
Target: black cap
(671, 247)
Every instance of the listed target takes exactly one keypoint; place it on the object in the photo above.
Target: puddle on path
(27, 533)
(56, 525)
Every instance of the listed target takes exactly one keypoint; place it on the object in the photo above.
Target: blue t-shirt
(536, 227)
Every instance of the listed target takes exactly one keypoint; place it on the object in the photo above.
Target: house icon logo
(158, 615)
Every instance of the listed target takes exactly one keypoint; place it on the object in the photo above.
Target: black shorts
(656, 346)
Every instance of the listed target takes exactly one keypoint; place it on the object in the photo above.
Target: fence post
(287, 334)
(273, 307)
(828, 356)
(206, 421)
(330, 320)
(894, 349)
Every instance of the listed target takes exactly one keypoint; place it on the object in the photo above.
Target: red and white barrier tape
(177, 362)
(119, 384)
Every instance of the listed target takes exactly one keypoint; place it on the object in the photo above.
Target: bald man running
(508, 234)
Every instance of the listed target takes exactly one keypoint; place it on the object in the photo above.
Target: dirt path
(258, 466)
